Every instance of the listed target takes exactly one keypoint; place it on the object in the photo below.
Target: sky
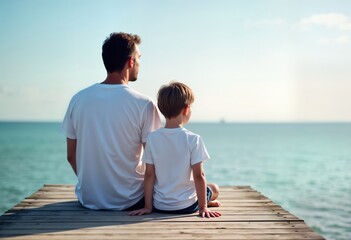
(247, 61)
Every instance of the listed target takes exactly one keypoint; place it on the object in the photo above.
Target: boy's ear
(185, 110)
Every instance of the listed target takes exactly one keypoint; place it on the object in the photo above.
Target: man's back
(110, 123)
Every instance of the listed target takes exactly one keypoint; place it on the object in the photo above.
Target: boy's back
(173, 151)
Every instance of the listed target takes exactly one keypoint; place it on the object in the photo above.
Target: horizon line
(206, 121)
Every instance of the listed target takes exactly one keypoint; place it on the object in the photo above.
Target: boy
(174, 178)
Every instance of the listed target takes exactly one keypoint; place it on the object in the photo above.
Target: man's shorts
(136, 206)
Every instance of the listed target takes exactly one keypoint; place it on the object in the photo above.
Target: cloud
(330, 20)
(265, 23)
(343, 39)
(5, 90)
(23, 91)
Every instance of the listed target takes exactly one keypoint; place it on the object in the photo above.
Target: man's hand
(139, 212)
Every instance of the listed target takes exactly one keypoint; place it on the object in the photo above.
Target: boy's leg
(215, 192)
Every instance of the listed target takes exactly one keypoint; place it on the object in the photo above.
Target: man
(106, 125)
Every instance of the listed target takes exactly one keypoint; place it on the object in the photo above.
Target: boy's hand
(208, 213)
(139, 212)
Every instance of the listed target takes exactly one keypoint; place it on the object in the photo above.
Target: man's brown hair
(173, 98)
(116, 50)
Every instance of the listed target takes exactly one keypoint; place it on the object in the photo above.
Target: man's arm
(71, 153)
(149, 182)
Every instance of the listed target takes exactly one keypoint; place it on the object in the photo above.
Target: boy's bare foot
(213, 203)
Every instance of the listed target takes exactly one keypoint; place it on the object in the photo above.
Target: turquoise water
(306, 168)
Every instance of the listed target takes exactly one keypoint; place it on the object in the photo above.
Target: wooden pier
(54, 213)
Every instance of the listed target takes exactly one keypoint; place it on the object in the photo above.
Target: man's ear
(131, 62)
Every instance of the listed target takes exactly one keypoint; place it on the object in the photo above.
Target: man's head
(119, 49)
(173, 98)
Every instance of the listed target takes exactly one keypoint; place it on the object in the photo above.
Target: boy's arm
(200, 185)
(149, 180)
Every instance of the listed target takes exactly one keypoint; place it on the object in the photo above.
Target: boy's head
(173, 98)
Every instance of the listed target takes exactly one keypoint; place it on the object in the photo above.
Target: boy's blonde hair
(173, 98)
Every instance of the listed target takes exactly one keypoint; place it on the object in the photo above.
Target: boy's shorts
(193, 208)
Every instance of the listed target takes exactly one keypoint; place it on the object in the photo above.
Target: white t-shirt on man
(173, 151)
(110, 123)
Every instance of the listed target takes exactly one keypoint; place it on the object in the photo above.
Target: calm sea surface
(306, 168)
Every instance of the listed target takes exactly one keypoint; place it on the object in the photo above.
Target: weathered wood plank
(160, 225)
(56, 236)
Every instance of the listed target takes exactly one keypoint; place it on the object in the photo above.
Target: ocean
(305, 167)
